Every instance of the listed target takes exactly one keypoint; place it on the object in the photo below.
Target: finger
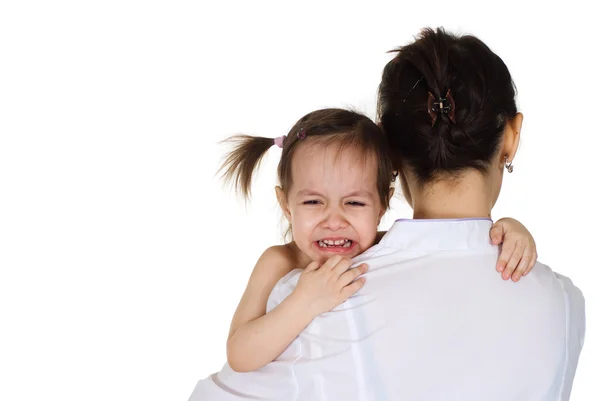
(531, 264)
(331, 262)
(350, 275)
(351, 289)
(507, 249)
(496, 234)
(513, 261)
(312, 266)
(521, 267)
(341, 267)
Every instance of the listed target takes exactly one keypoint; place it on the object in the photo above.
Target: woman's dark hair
(481, 88)
(344, 128)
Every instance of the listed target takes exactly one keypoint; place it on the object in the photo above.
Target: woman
(447, 105)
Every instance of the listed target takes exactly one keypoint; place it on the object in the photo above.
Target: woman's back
(434, 322)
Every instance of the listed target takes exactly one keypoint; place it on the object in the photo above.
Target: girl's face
(333, 205)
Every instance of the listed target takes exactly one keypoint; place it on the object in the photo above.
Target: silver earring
(509, 166)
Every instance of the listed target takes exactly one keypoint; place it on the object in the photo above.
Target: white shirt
(434, 321)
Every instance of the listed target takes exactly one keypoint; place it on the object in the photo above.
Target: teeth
(345, 243)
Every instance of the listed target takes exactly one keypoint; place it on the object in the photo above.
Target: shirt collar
(439, 234)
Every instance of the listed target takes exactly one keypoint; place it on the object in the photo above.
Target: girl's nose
(335, 220)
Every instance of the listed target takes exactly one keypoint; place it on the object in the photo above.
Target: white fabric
(434, 322)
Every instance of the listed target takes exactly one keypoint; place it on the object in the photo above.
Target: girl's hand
(322, 288)
(519, 253)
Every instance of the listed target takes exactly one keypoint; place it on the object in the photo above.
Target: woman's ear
(511, 138)
(282, 199)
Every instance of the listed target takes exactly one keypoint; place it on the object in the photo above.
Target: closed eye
(311, 202)
(354, 203)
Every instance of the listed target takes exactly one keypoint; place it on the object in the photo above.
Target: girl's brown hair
(345, 128)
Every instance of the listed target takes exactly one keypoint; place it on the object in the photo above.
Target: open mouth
(338, 243)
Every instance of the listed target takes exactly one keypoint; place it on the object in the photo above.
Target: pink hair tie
(279, 141)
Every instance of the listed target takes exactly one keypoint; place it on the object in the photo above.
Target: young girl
(334, 174)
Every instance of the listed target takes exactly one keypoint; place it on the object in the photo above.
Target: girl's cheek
(369, 236)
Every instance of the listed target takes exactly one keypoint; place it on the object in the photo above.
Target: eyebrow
(311, 192)
(359, 193)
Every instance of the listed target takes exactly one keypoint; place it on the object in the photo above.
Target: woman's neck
(469, 196)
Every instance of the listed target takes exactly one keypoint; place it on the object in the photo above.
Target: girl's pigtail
(239, 164)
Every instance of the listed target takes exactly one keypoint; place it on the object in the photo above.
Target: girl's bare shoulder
(283, 258)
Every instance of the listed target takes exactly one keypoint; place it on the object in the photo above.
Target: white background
(122, 258)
